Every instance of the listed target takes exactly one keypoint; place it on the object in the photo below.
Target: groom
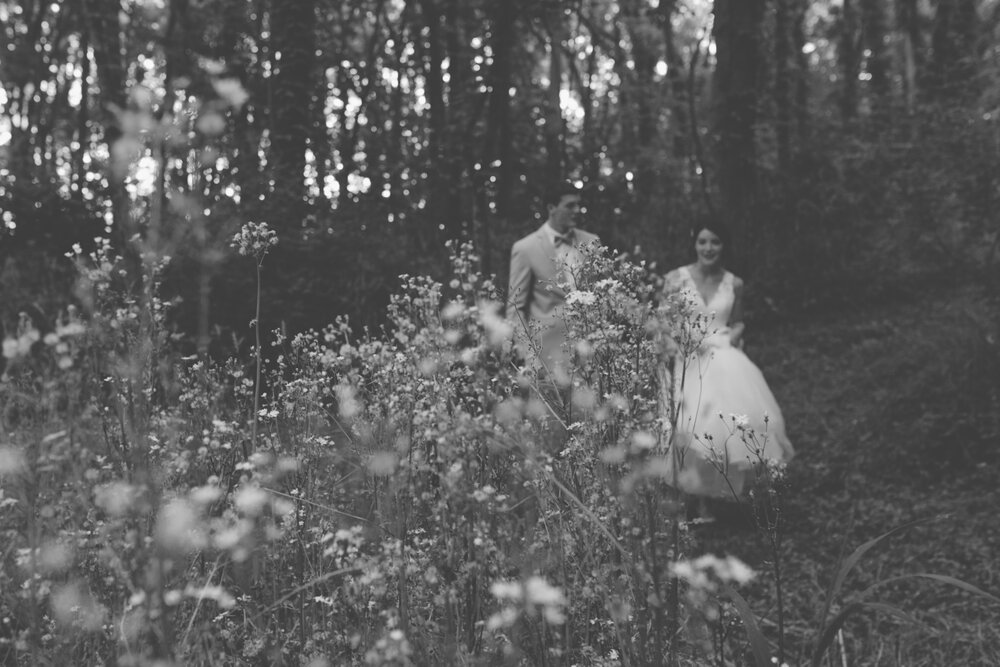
(537, 285)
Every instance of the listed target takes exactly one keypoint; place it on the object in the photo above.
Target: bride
(728, 423)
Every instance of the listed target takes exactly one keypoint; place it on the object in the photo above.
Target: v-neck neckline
(701, 296)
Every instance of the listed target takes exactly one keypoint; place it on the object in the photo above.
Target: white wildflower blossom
(705, 570)
(498, 330)
(539, 591)
(254, 240)
(507, 590)
(251, 499)
(179, 527)
(582, 297)
(643, 440)
(607, 285)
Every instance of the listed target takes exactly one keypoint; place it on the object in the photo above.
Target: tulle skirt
(729, 427)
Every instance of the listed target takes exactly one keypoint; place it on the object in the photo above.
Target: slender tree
(738, 26)
(555, 137)
(293, 30)
(912, 49)
(875, 22)
(499, 149)
(783, 82)
(954, 45)
(849, 53)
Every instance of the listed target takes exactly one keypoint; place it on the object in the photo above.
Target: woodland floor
(895, 415)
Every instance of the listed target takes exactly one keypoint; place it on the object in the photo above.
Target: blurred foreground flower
(534, 596)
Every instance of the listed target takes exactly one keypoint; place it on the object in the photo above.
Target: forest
(256, 405)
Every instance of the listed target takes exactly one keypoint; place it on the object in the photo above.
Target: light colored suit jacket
(533, 293)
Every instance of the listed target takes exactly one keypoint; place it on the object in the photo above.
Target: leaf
(851, 561)
(758, 642)
(838, 622)
(943, 578)
(893, 610)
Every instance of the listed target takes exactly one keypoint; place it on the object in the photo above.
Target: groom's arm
(520, 284)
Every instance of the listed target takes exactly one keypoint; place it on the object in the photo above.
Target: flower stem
(256, 385)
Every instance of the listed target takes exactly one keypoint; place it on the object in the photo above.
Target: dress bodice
(719, 306)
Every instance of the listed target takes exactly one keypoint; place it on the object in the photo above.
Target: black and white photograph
(500, 333)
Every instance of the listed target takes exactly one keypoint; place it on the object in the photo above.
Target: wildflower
(505, 618)
(498, 330)
(483, 494)
(251, 499)
(179, 527)
(541, 592)
(70, 329)
(347, 401)
(254, 240)
(549, 598)
(209, 592)
(382, 464)
(205, 495)
(742, 422)
(507, 590)
(705, 570)
(643, 440)
(582, 297)
(74, 606)
(117, 498)
(776, 469)
(453, 310)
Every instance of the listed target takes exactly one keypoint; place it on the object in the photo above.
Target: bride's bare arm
(736, 325)
(672, 282)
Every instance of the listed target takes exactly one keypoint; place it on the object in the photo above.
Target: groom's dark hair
(562, 189)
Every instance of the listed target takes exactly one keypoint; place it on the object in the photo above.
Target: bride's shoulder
(734, 280)
(674, 278)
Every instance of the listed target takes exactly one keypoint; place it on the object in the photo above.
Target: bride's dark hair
(713, 224)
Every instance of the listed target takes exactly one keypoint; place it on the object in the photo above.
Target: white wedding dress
(729, 425)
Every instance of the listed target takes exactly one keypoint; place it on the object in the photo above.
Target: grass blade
(851, 561)
(758, 642)
(942, 578)
(837, 622)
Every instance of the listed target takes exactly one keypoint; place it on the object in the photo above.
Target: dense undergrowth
(431, 494)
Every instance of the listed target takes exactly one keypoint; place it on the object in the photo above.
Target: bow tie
(566, 238)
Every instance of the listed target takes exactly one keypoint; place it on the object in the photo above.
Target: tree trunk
(498, 138)
(679, 121)
(294, 51)
(554, 131)
(646, 95)
(434, 56)
(953, 67)
(875, 28)
(465, 106)
(783, 84)
(802, 69)
(910, 45)
(104, 33)
(850, 59)
(738, 43)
